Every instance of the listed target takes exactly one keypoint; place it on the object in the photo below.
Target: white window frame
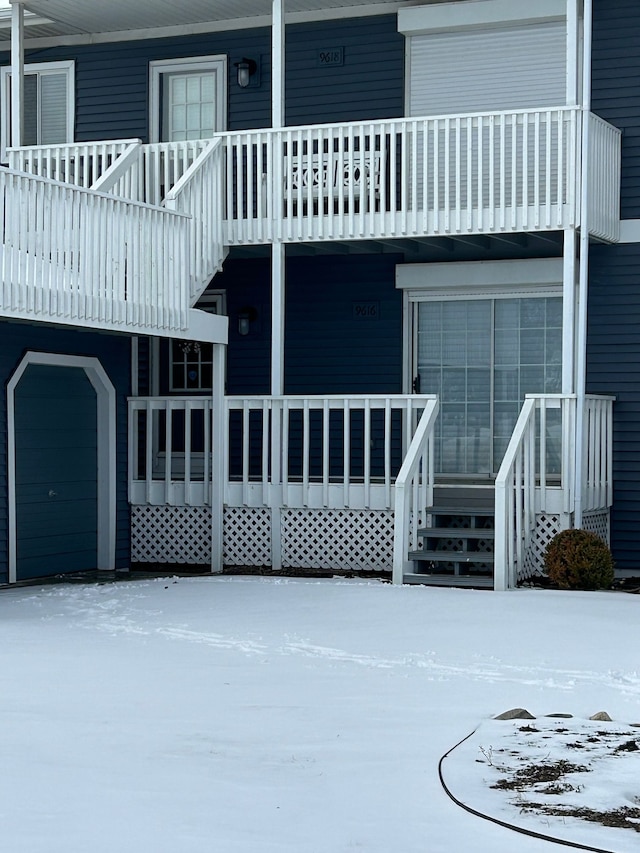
(469, 280)
(157, 68)
(214, 302)
(40, 68)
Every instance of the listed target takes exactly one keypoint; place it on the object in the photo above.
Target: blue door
(56, 472)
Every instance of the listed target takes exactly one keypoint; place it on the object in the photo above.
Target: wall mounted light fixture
(246, 316)
(246, 69)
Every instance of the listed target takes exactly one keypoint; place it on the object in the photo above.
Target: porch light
(246, 316)
(246, 69)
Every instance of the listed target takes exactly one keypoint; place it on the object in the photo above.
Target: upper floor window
(188, 98)
(48, 105)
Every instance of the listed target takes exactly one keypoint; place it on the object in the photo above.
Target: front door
(481, 356)
(56, 471)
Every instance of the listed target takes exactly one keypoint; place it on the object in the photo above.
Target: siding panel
(613, 367)
(616, 86)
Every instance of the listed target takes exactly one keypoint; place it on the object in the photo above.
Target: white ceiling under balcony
(84, 17)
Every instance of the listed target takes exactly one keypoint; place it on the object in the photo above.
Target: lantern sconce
(247, 68)
(246, 316)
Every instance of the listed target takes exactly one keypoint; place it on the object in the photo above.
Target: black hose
(504, 823)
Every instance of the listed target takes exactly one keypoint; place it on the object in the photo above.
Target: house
(304, 284)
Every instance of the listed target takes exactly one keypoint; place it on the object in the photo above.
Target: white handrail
(199, 193)
(78, 256)
(414, 488)
(526, 483)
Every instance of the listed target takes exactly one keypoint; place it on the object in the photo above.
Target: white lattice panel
(247, 536)
(171, 534)
(598, 522)
(547, 526)
(354, 540)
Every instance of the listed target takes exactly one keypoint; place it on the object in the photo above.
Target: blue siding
(113, 351)
(613, 367)
(112, 79)
(616, 86)
(329, 349)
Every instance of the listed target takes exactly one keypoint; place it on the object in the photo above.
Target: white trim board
(482, 13)
(629, 231)
(106, 428)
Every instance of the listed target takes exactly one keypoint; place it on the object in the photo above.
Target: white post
(17, 74)
(277, 64)
(568, 309)
(218, 416)
(583, 286)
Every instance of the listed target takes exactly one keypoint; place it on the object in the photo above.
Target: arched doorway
(61, 426)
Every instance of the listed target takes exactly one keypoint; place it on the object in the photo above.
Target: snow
(241, 714)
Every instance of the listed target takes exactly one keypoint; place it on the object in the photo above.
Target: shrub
(578, 559)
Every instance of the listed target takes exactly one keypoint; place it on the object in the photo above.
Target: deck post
(218, 417)
(17, 74)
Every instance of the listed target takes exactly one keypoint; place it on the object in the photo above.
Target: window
(48, 105)
(188, 98)
(191, 362)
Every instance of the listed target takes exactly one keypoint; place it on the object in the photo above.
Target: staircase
(457, 546)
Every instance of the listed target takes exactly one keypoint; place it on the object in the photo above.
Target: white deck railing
(414, 489)
(537, 473)
(481, 173)
(604, 191)
(335, 451)
(503, 171)
(90, 259)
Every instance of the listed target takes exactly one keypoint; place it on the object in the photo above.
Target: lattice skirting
(337, 539)
(247, 536)
(171, 534)
(547, 526)
(598, 522)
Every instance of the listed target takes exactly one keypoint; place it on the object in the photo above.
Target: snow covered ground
(265, 715)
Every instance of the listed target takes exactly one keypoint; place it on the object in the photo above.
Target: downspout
(583, 282)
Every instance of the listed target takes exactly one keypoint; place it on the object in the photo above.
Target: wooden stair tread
(457, 532)
(453, 556)
(435, 579)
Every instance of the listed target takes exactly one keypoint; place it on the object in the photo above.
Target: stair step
(470, 581)
(474, 511)
(457, 533)
(452, 556)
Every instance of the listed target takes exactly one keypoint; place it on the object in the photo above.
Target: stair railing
(534, 461)
(199, 193)
(414, 488)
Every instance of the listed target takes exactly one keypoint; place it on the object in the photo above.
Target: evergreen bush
(578, 559)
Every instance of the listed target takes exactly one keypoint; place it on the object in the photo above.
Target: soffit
(104, 16)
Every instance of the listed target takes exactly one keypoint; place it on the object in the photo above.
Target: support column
(277, 291)
(583, 279)
(569, 267)
(17, 74)
(277, 64)
(218, 444)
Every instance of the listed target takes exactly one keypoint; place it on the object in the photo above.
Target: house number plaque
(366, 310)
(330, 56)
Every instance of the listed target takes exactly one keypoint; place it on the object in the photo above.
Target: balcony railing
(323, 452)
(481, 173)
(74, 256)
